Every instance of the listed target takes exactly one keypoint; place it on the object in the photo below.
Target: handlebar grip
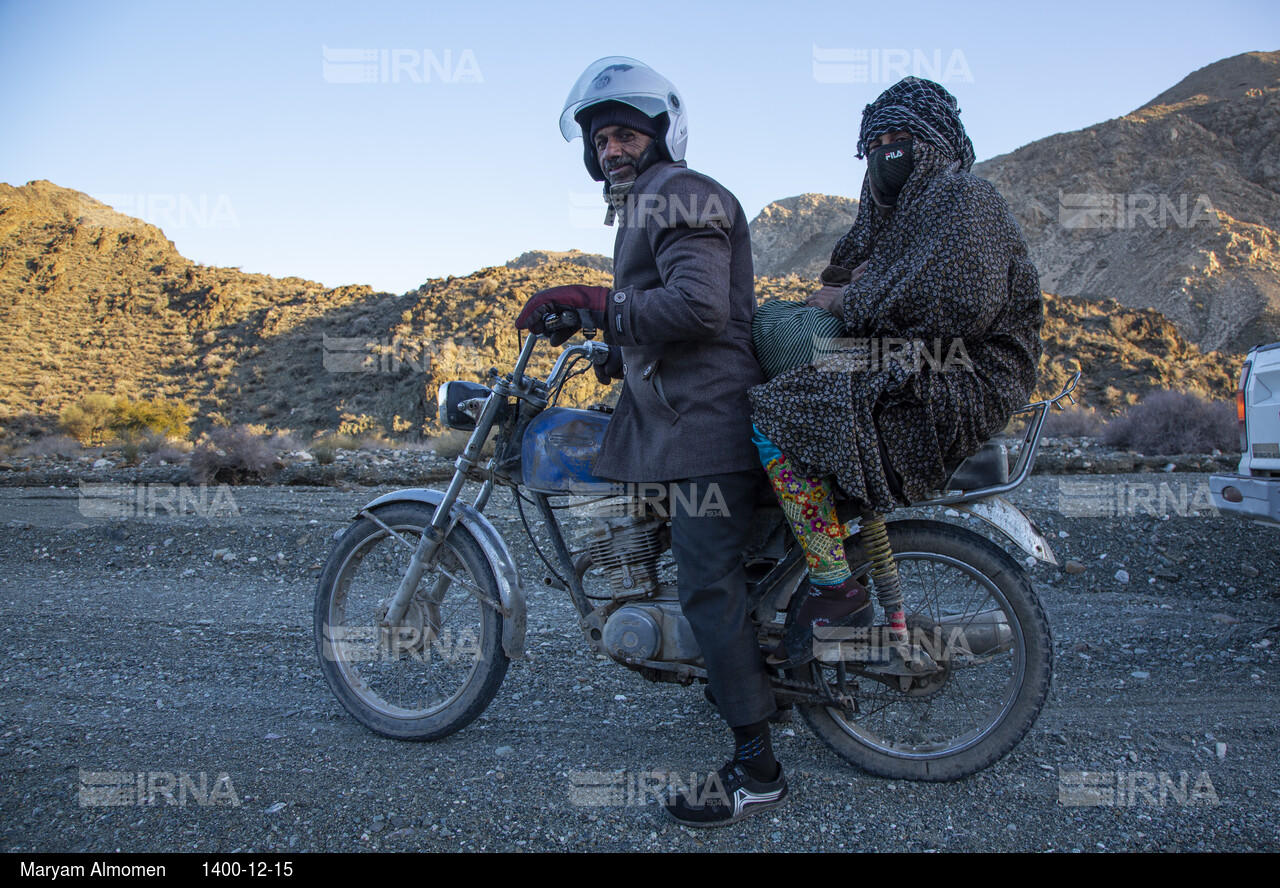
(554, 321)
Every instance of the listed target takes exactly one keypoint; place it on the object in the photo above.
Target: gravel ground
(129, 648)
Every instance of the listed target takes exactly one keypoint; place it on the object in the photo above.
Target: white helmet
(620, 79)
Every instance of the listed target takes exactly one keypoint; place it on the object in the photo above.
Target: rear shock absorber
(884, 572)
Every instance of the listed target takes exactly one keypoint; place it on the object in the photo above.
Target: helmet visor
(618, 79)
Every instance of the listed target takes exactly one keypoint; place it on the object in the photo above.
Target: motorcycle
(421, 605)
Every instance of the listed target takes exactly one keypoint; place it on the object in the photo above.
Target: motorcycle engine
(627, 549)
(624, 541)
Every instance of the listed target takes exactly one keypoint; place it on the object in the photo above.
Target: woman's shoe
(836, 607)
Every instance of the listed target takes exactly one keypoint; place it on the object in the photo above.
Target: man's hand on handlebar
(562, 311)
(610, 368)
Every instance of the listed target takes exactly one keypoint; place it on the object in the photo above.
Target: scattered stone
(102, 463)
(1225, 619)
(1140, 676)
(1122, 576)
(1249, 571)
(503, 750)
(1073, 567)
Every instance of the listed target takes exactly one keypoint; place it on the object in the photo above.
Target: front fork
(442, 521)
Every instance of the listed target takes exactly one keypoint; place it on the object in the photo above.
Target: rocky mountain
(1175, 206)
(534, 258)
(92, 300)
(795, 235)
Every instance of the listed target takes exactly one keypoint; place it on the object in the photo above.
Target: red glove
(564, 300)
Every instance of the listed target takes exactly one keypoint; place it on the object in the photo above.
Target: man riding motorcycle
(679, 320)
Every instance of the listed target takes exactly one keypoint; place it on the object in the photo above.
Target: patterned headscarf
(923, 108)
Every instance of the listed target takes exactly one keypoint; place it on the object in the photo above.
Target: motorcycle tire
(440, 669)
(973, 607)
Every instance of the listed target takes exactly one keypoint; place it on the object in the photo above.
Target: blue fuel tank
(559, 449)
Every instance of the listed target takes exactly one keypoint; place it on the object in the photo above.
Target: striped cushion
(783, 333)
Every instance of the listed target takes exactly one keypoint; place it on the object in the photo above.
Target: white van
(1254, 491)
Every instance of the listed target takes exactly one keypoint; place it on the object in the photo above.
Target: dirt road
(135, 661)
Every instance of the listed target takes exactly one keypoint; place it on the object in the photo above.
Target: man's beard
(627, 169)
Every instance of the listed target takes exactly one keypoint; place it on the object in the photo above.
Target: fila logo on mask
(893, 155)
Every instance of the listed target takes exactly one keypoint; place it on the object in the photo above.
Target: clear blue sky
(225, 122)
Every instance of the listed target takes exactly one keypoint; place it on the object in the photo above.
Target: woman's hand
(829, 298)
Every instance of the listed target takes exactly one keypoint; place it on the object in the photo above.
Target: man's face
(617, 150)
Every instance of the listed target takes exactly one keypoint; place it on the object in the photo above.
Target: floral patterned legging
(807, 502)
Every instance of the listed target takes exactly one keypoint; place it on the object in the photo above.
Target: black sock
(754, 750)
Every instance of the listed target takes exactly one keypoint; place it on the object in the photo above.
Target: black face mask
(890, 167)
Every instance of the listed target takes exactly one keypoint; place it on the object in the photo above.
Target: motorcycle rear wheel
(438, 671)
(961, 591)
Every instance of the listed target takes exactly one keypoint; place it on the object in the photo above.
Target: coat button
(648, 371)
(619, 296)
(624, 369)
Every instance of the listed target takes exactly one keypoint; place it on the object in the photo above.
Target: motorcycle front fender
(496, 552)
(1007, 518)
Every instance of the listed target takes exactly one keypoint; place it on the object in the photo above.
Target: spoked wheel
(437, 670)
(972, 610)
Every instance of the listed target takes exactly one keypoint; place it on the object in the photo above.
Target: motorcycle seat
(986, 468)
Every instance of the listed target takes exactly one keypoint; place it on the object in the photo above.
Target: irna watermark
(400, 66)
(957, 639)
(1085, 498)
(103, 500)
(622, 499)
(868, 355)
(364, 354)
(414, 639)
(108, 789)
(1106, 210)
(608, 789)
(1127, 789)
(889, 65)
(640, 210)
(167, 210)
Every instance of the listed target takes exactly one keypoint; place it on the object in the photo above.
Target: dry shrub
(1169, 422)
(52, 445)
(1075, 422)
(99, 419)
(231, 456)
(451, 444)
(17, 427)
(284, 440)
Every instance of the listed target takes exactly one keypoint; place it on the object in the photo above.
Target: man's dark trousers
(713, 588)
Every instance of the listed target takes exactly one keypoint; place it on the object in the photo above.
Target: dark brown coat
(681, 310)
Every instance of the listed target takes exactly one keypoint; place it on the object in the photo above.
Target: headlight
(458, 404)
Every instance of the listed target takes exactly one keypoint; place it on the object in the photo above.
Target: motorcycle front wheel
(972, 608)
(434, 673)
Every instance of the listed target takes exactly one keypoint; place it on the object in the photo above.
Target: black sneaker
(725, 797)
